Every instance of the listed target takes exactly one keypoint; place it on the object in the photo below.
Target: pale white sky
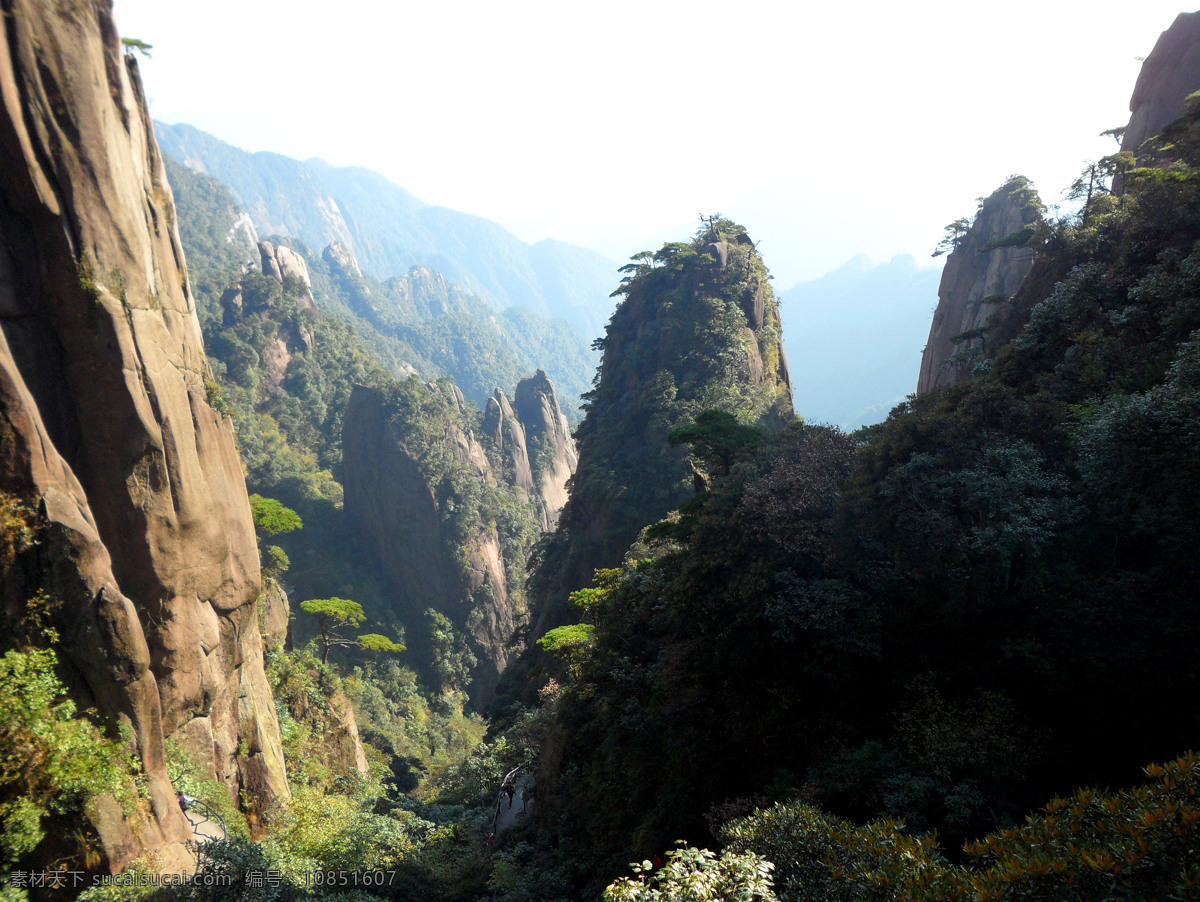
(826, 131)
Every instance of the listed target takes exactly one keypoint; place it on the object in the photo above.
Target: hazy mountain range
(854, 338)
(391, 231)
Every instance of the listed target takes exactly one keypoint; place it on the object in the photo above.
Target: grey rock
(976, 285)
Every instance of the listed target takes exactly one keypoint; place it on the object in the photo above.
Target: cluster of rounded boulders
(975, 286)
(146, 543)
(283, 264)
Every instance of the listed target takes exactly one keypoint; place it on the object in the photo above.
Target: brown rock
(147, 538)
(276, 616)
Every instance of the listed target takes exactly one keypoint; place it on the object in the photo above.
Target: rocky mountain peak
(551, 447)
(507, 433)
(986, 267)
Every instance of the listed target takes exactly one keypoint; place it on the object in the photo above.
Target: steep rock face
(148, 548)
(391, 496)
(507, 433)
(275, 616)
(682, 341)
(1170, 73)
(549, 442)
(983, 271)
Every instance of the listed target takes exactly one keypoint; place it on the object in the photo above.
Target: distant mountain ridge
(854, 338)
(390, 231)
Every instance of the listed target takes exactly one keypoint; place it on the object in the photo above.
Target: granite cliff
(145, 545)
(984, 270)
(450, 516)
(1169, 74)
(535, 442)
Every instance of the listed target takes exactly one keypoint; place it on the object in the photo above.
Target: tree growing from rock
(272, 519)
(334, 615)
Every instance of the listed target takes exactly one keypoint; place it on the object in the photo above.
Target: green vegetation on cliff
(697, 329)
(981, 603)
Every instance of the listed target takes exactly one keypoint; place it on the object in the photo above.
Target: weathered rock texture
(550, 445)
(147, 544)
(284, 265)
(982, 273)
(1170, 73)
(275, 616)
(507, 433)
(535, 443)
(391, 499)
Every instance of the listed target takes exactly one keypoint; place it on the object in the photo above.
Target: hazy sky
(826, 131)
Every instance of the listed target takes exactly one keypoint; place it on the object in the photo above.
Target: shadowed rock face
(146, 541)
(1170, 73)
(391, 501)
(976, 285)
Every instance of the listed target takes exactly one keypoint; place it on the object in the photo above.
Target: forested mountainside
(390, 231)
(697, 329)
(916, 624)
(765, 659)
(417, 320)
(853, 337)
(435, 518)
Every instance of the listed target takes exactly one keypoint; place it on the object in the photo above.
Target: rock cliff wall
(392, 500)
(507, 433)
(982, 273)
(550, 445)
(148, 547)
(1169, 74)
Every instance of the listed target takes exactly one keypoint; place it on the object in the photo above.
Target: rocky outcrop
(275, 616)
(982, 273)
(146, 543)
(550, 445)
(243, 237)
(1169, 74)
(507, 433)
(534, 442)
(284, 265)
(341, 260)
(392, 498)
